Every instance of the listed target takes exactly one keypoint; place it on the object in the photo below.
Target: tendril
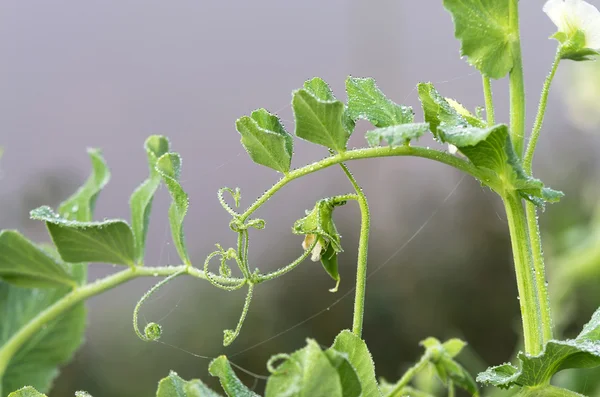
(228, 335)
(152, 331)
(236, 198)
(223, 268)
(281, 356)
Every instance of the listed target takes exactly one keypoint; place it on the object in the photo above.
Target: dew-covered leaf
(174, 386)
(366, 101)
(169, 166)
(438, 110)
(233, 387)
(80, 206)
(319, 117)
(396, 135)
(37, 361)
(359, 356)
(109, 241)
(306, 372)
(25, 264)
(27, 391)
(491, 150)
(141, 199)
(483, 28)
(266, 140)
(581, 352)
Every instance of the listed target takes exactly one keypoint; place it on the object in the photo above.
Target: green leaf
(233, 387)
(581, 352)
(397, 135)
(306, 372)
(36, 362)
(266, 140)
(80, 206)
(438, 110)
(491, 149)
(27, 391)
(169, 167)
(320, 118)
(366, 101)
(110, 241)
(141, 199)
(483, 28)
(329, 260)
(350, 382)
(24, 264)
(359, 356)
(175, 386)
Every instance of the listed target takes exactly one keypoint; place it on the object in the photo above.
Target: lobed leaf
(266, 140)
(360, 358)
(36, 362)
(175, 386)
(437, 109)
(397, 135)
(320, 118)
(169, 167)
(366, 101)
(141, 199)
(24, 264)
(581, 352)
(109, 241)
(233, 387)
(483, 28)
(306, 372)
(80, 206)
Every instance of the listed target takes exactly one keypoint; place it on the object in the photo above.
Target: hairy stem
(363, 248)
(539, 119)
(489, 101)
(517, 86)
(8, 350)
(410, 374)
(526, 283)
(358, 154)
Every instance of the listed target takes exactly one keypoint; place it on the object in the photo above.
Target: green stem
(9, 349)
(539, 269)
(363, 248)
(358, 154)
(539, 119)
(528, 296)
(517, 86)
(489, 101)
(410, 374)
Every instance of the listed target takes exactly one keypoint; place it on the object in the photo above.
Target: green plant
(49, 284)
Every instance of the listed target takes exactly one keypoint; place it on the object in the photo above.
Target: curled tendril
(237, 225)
(281, 356)
(152, 331)
(223, 269)
(230, 335)
(236, 194)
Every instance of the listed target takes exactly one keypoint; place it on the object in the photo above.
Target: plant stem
(410, 374)
(358, 154)
(517, 86)
(489, 101)
(539, 269)
(363, 248)
(539, 119)
(8, 350)
(531, 210)
(528, 296)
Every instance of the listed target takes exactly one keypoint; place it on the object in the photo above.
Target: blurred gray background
(107, 74)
